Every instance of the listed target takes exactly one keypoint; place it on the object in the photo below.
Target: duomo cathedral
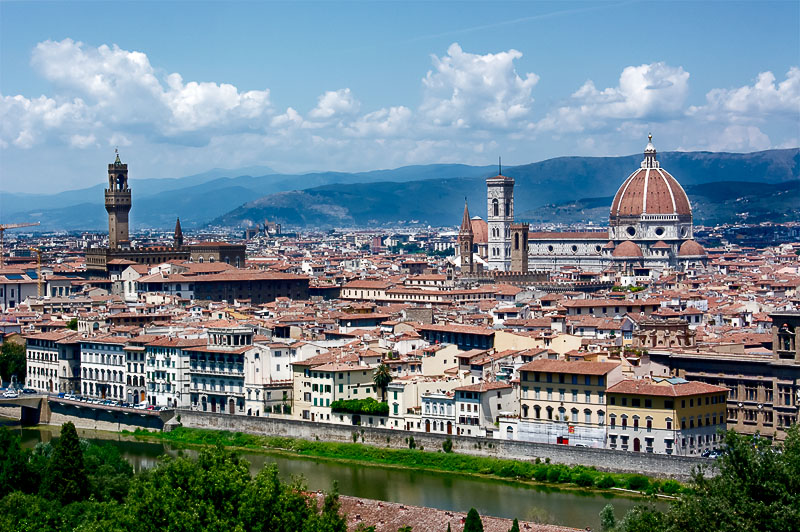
(649, 230)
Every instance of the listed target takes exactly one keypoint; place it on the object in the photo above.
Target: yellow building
(564, 402)
(665, 415)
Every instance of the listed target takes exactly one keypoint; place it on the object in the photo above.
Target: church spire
(466, 224)
(178, 238)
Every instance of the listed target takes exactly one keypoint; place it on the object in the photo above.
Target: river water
(421, 488)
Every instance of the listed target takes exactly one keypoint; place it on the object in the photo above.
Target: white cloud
(335, 104)
(762, 97)
(477, 91)
(123, 88)
(26, 122)
(382, 123)
(647, 92)
(82, 141)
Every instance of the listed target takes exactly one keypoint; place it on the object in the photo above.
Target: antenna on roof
(499, 165)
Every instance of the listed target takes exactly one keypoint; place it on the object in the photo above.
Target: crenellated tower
(118, 204)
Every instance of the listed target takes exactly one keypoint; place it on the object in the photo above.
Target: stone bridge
(51, 410)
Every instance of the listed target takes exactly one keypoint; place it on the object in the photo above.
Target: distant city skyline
(184, 87)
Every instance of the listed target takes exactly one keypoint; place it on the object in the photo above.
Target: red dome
(650, 190)
(628, 250)
(480, 230)
(690, 248)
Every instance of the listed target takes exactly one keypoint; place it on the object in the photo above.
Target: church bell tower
(500, 198)
(118, 204)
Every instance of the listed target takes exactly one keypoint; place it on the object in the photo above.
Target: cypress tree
(515, 526)
(473, 522)
(65, 479)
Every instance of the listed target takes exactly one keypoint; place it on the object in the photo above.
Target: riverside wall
(654, 465)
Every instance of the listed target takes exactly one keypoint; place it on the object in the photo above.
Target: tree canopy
(756, 488)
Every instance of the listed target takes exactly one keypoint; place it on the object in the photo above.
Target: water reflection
(439, 490)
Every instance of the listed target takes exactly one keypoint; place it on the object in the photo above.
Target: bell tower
(500, 199)
(118, 204)
(465, 241)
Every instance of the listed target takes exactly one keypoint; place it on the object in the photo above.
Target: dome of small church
(650, 190)
(627, 250)
(691, 248)
(480, 230)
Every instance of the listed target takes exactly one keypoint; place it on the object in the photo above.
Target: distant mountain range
(711, 180)
(427, 194)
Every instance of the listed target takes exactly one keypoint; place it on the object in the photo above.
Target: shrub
(540, 474)
(670, 487)
(584, 480)
(605, 482)
(411, 443)
(553, 474)
(564, 476)
(447, 445)
(638, 483)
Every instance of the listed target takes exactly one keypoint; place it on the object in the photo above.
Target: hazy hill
(196, 199)
(431, 194)
(552, 183)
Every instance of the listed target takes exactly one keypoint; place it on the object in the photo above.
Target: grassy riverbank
(556, 474)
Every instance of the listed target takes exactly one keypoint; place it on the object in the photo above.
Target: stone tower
(519, 248)
(500, 201)
(178, 237)
(465, 241)
(118, 204)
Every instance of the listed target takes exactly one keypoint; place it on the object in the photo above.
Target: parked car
(140, 406)
(28, 390)
(10, 394)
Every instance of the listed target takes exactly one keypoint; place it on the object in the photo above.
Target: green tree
(65, 478)
(382, 377)
(608, 521)
(73, 324)
(473, 522)
(14, 474)
(514, 526)
(12, 362)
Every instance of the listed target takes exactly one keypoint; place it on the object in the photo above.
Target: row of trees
(72, 485)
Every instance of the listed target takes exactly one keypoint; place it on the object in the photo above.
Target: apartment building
(564, 402)
(53, 361)
(478, 407)
(665, 415)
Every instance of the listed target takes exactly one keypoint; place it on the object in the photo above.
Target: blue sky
(182, 87)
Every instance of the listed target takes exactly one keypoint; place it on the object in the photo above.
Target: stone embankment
(654, 465)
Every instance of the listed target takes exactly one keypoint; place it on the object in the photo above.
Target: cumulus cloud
(763, 97)
(335, 104)
(123, 87)
(384, 122)
(653, 91)
(467, 90)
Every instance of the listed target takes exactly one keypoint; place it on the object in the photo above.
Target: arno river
(422, 488)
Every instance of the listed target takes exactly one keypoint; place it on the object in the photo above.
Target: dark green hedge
(367, 406)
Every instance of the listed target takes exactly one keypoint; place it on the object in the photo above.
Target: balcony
(237, 370)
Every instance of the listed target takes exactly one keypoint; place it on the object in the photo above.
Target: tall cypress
(65, 479)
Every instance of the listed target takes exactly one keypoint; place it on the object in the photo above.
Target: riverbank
(539, 472)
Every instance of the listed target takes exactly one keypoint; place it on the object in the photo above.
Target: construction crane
(39, 280)
(3, 228)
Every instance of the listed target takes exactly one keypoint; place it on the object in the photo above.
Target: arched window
(495, 208)
(516, 240)
(508, 208)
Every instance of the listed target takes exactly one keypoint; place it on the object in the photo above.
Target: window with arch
(516, 240)
(508, 208)
(495, 208)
